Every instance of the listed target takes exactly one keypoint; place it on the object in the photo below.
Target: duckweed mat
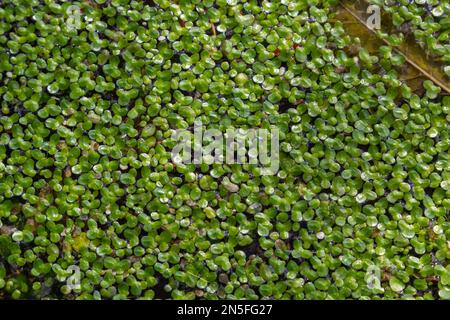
(93, 205)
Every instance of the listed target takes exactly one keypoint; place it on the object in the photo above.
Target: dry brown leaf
(353, 16)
